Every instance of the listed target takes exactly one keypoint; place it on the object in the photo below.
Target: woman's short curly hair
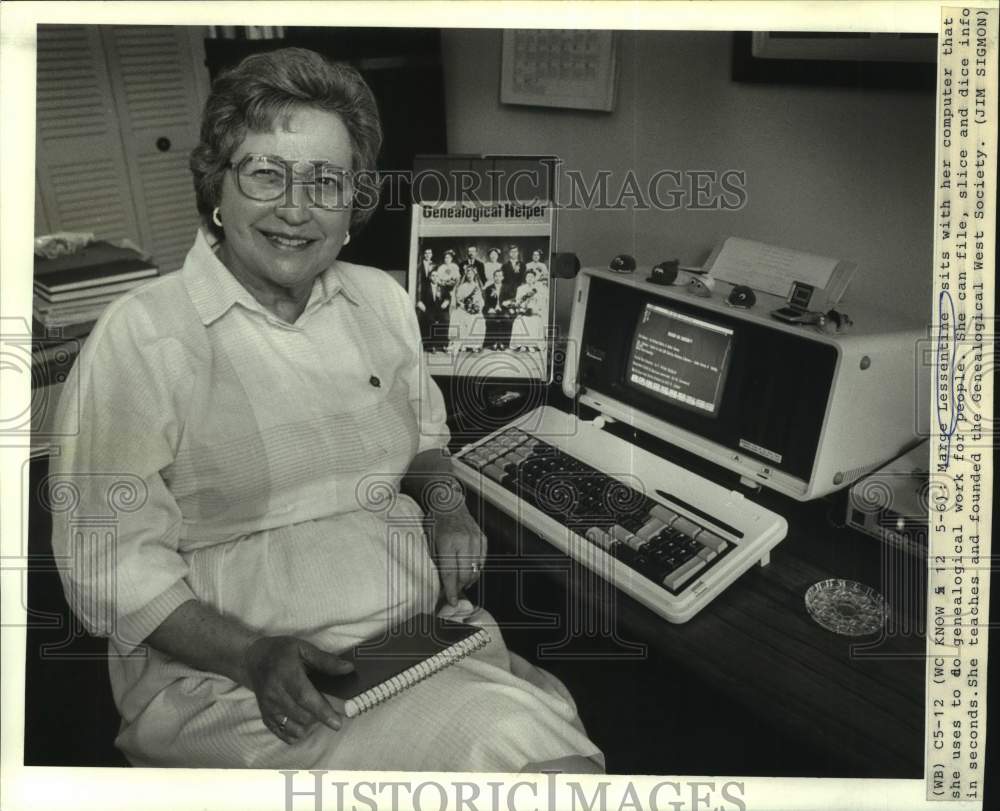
(256, 94)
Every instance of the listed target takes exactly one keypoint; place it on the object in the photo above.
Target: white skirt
(335, 582)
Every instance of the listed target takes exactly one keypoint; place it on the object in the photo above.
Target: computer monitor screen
(763, 390)
(680, 359)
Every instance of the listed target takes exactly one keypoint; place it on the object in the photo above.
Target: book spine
(414, 675)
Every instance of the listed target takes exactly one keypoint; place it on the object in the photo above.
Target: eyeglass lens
(267, 178)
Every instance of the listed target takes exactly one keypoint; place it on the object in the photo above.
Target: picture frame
(572, 69)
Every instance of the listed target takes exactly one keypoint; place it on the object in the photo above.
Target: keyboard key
(671, 534)
(651, 529)
(707, 554)
(600, 537)
(713, 541)
(689, 528)
(634, 522)
(513, 459)
(494, 472)
(682, 573)
(635, 542)
(648, 567)
(620, 533)
(667, 516)
(685, 552)
(474, 460)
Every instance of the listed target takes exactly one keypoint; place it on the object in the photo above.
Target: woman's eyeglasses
(267, 178)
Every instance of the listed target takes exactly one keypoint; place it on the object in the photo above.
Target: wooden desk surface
(856, 704)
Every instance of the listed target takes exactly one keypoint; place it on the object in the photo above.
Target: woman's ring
(476, 568)
(282, 722)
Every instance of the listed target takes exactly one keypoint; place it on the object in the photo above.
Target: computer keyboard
(667, 537)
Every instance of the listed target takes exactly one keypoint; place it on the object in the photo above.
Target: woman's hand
(457, 544)
(289, 704)
(459, 549)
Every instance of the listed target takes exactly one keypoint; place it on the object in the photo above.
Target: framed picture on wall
(858, 60)
(574, 69)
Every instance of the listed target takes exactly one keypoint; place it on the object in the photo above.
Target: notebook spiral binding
(416, 674)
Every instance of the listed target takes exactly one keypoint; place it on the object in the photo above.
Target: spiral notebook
(404, 656)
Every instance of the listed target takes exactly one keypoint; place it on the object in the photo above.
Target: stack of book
(72, 291)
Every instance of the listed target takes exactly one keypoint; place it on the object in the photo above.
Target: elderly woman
(259, 439)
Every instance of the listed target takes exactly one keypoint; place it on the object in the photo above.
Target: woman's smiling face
(288, 242)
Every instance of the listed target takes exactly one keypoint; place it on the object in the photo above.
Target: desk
(750, 685)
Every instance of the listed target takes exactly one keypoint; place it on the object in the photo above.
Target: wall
(838, 172)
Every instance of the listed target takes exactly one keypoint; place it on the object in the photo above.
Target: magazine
(480, 283)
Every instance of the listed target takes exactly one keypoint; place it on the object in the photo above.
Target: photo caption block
(962, 434)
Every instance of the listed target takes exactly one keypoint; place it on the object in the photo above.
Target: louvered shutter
(80, 157)
(42, 224)
(154, 83)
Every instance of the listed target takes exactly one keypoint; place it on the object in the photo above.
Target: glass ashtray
(846, 607)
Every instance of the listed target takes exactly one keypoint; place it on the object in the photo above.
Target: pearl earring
(347, 238)
(215, 217)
